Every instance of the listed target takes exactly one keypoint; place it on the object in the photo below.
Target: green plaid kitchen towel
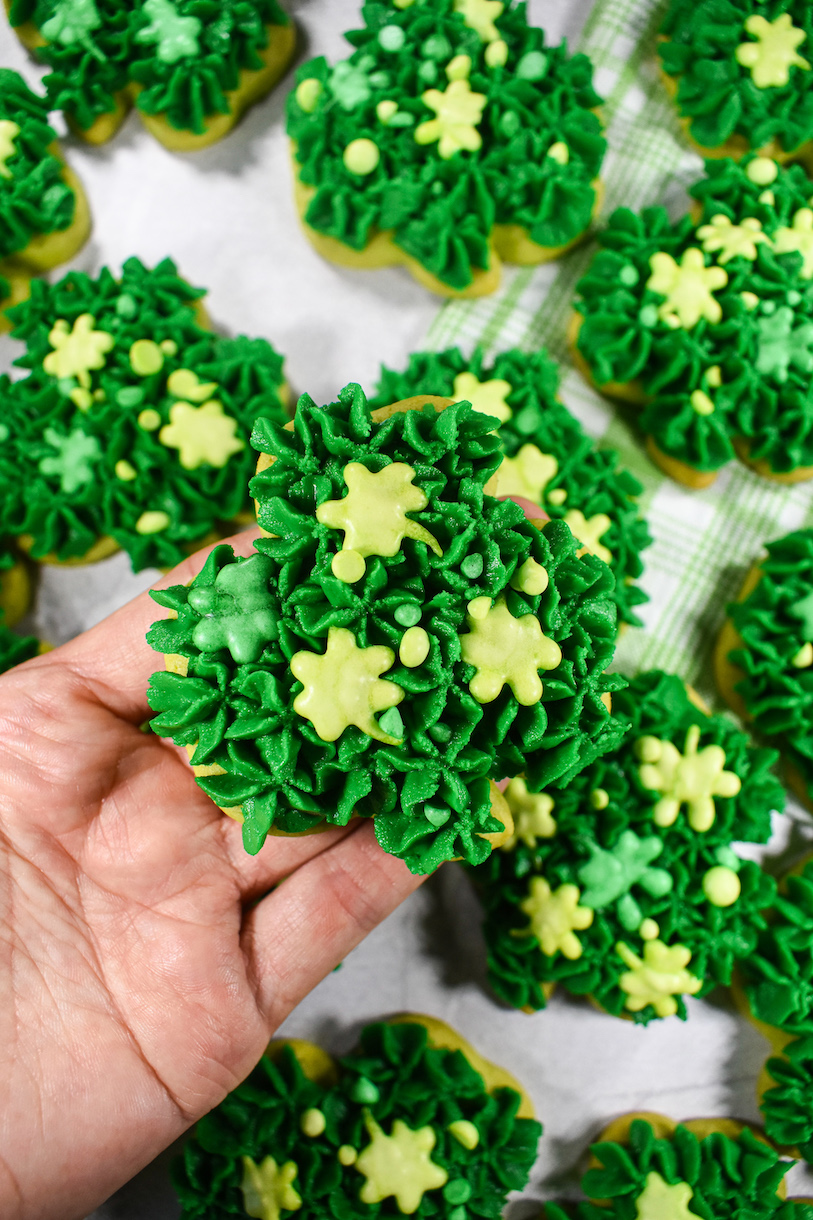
(704, 542)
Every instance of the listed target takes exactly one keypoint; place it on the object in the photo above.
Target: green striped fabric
(704, 541)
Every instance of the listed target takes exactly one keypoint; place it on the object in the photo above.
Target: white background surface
(226, 216)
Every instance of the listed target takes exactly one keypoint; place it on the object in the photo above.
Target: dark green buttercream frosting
(628, 869)
(717, 94)
(395, 1076)
(761, 345)
(442, 211)
(34, 198)
(62, 480)
(588, 479)
(184, 54)
(774, 629)
(728, 1178)
(426, 779)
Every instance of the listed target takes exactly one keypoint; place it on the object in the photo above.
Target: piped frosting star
(176, 36)
(798, 238)
(555, 917)
(77, 350)
(728, 240)
(693, 778)
(687, 287)
(531, 813)
(399, 1165)
(238, 609)
(9, 131)
(268, 1188)
(486, 396)
(202, 435)
(774, 52)
(527, 473)
(660, 1201)
(480, 15)
(657, 977)
(458, 112)
(590, 531)
(344, 686)
(506, 651)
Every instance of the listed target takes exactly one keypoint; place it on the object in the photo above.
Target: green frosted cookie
(451, 137)
(708, 322)
(622, 883)
(189, 66)
(741, 70)
(405, 1125)
(384, 557)
(548, 459)
(133, 423)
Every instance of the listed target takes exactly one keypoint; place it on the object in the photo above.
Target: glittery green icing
(414, 1083)
(716, 93)
(186, 55)
(628, 869)
(719, 1175)
(773, 625)
(427, 787)
(34, 198)
(744, 376)
(442, 204)
(587, 479)
(125, 469)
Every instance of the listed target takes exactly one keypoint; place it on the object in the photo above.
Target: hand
(143, 962)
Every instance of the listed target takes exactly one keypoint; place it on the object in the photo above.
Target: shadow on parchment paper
(451, 929)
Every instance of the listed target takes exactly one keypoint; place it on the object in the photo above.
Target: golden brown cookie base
(626, 391)
(102, 548)
(677, 470)
(16, 592)
(761, 467)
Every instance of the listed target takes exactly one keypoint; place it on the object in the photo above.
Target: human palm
(143, 961)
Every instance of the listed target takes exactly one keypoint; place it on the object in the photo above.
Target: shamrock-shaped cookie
(399, 639)
(647, 1167)
(132, 426)
(414, 1122)
(452, 138)
(44, 215)
(764, 656)
(622, 883)
(707, 323)
(741, 71)
(190, 67)
(548, 459)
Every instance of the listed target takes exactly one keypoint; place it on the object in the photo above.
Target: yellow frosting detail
(308, 93)
(458, 111)
(527, 474)
(480, 15)
(82, 398)
(687, 286)
(414, 647)
(721, 886)
(749, 299)
(714, 376)
(459, 67)
(348, 566)
(589, 531)
(267, 1188)
(803, 657)
(8, 134)
(169, 347)
(347, 1155)
(599, 799)
(344, 686)
(403, 3)
(774, 53)
(762, 171)
(730, 240)
(557, 496)
(312, 1123)
(648, 930)
(497, 54)
(506, 650)
(385, 111)
(559, 152)
(152, 522)
(146, 358)
(531, 578)
(556, 917)
(373, 514)
(701, 403)
(486, 396)
(657, 977)
(183, 383)
(399, 1165)
(361, 156)
(125, 471)
(480, 607)
(768, 197)
(465, 1133)
(202, 435)
(77, 351)
(660, 1201)
(531, 812)
(798, 238)
(691, 778)
(149, 419)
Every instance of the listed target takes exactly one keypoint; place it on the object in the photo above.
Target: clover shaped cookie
(399, 639)
(451, 139)
(647, 1167)
(132, 426)
(764, 656)
(549, 459)
(622, 884)
(707, 323)
(741, 74)
(190, 67)
(44, 215)
(413, 1122)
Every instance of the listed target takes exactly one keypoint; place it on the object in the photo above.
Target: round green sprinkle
(457, 1192)
(4, 432)
(428, 71)
(532, 66)
(130, 396)
(441, 733)
(149, 419)
(391, 37)
(126, 306)
(628, 276)
(472, 566)
(510, 123)
(408, 614)
(438, 815)
(458, 1213)
(364, 1092)
(768, 307)
(391, 723)
(793, 297)
(66, 386)
(648, 316)
(437, 47)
